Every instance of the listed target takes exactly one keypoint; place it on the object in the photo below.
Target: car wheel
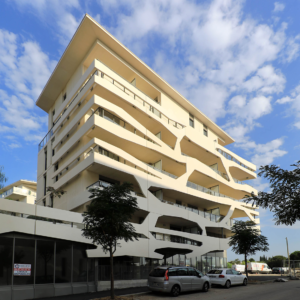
(205, 287)
(227, 284)
(245, 282)
(175, 291)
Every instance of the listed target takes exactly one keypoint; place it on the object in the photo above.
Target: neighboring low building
(21, 190)
(112, 119)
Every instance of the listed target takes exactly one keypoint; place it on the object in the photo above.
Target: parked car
(175, 280)
(256, 268)
(238, 268)
(279, 270)
(226, 277)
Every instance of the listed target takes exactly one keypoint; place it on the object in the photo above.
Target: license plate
(155, 284)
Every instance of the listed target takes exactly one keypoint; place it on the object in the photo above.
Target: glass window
(91, 270)
(44, 262)
(6, 253)
(63, 262)
(192, 272)
(229, 272)
(215, 272)
(182, 272)
(201, 274)
(235, 272)
(205, 130)
(157, 273)
(192, 121)
(24, 254)
(79, 263)
(172, 272)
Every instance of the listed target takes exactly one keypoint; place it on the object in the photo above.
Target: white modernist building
(111, 120)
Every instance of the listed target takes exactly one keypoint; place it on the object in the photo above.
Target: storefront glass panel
(44, 262)
(24, 254)
(6, 254)
(63, 264)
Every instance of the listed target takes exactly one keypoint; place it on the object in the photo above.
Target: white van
(255, 268)
(238, 268)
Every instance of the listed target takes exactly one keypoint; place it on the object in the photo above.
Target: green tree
(3, 178)
(229, 265)
(263, 259)
(276, 261)
(247, 239)
(251, 260)
(295, 255)
(107, 219)
(284, 198)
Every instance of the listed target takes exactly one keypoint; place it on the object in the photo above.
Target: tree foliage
(107, 219)
(284, 198)
(251, 260)
(276, 261)
(3, 178)
(247, 239)
(295, 255)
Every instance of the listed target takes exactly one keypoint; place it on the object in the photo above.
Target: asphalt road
(273, 290)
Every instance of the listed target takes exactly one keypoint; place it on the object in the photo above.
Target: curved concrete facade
(112, 119)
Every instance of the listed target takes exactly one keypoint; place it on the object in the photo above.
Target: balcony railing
(101, 184)
(225, 176)
(37, 218)
(18, 190)
(230, 222)
(206, 190)
(240, 182)
(206, 215)
(229, 157)
(162, 171)
(116, 120)
(141, 101)
(175, 239)
(50, 132)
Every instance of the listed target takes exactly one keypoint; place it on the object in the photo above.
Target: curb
(261, 282)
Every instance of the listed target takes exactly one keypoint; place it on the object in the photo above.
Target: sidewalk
(89, 296)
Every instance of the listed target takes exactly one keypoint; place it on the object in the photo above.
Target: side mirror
(199, 275)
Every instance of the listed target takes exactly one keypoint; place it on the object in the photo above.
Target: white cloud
(263, 154)
(23, 78)
(55, 13)
(14, 145)
(278, 6)
(294, 105)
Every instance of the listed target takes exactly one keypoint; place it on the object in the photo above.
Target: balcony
(141, 101)
(48, 136)
(101, 184)
(229, 157)
(116, 120)
(38, 218)
(240, 182)
(207, 191)
(16, 192)
(175, 239)
(206, 215)
(162, 171)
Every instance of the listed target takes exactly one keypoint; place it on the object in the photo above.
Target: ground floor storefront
(32, 266)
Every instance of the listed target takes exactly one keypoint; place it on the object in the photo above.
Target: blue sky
(237, 61)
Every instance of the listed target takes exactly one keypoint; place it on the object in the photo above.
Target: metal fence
(291, 268)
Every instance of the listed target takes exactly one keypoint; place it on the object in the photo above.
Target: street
(273, 290)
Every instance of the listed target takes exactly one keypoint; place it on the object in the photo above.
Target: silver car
(177, 279)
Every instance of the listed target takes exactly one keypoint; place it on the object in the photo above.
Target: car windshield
(215, 272)
(158, 273)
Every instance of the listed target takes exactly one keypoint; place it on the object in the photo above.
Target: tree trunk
(246, 269)
(112, 291)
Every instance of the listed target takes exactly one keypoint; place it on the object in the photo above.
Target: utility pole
(288, 253)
